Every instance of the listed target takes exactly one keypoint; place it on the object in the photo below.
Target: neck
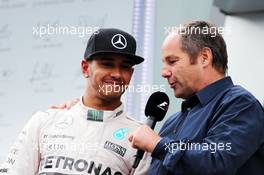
(93, 100)
(214, 76)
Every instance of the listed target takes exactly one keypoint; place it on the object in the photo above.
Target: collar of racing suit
(100, 115)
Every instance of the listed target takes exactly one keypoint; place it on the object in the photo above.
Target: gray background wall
(245, 48)
(36, 72)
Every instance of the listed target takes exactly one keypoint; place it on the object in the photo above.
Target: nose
(116, 73)
(165, 72)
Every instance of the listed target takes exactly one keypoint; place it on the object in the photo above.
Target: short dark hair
(199, 34)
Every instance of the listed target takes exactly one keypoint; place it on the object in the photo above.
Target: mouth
(172, 84)
(113, 82)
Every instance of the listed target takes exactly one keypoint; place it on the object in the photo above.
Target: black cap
(110, 40)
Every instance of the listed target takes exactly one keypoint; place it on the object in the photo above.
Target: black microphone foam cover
(157, 105)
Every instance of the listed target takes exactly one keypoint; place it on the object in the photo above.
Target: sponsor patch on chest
(115, 148)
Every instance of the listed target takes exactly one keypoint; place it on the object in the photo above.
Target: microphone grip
(151, 122)
(138, 157)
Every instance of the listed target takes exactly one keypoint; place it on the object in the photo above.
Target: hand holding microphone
(144, 138)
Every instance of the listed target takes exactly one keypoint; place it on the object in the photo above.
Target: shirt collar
(189, 103)
(207, 93)
(100, 115)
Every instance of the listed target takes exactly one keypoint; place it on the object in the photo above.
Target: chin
(113, 95)
(179, 95)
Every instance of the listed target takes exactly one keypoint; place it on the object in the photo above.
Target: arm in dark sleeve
(239, 126)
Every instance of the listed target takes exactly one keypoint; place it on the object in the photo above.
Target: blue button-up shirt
(220, 130)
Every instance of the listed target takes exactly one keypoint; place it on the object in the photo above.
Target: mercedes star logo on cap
(119, 41)
(111, 40)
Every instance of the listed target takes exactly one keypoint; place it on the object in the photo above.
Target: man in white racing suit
(90, 138)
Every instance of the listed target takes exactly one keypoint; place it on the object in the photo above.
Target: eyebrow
(170, 57)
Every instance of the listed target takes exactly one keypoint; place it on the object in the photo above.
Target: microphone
(155, 110)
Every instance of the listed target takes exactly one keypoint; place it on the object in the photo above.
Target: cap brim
(134, 58)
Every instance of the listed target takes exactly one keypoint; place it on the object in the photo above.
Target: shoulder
(127, 121)
(237, 101)
(238, 94)
(132, 121)
(47, 117)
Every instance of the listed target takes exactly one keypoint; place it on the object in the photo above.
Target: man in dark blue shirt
(220, 128)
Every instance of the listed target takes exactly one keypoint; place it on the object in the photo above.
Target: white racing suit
(78, 141)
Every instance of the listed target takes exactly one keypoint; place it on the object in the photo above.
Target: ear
(206, 57)
(132, 70)
(85, 68)
(131, 73)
